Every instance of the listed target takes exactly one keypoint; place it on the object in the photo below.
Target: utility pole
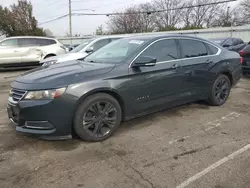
(70, 21)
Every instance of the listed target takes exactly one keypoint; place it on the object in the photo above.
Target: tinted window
(45, 42)
(27, 42)
(9, 42)
(240, 41)
(212, 50)
(228, 42)
(81, 46)
(163, 50)
(192, 48)
(99, 44)
(235, 42)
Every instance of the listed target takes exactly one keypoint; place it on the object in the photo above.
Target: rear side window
(26, 42)
(212, 50)
(45, 42)
(163, 50)
(192, 48)
(9, 42)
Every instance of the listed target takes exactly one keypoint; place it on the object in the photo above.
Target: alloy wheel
(222, 89)
(99, 119)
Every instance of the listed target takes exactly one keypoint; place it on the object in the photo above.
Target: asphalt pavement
(191, 146)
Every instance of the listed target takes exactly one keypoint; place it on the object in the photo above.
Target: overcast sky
(48, 9)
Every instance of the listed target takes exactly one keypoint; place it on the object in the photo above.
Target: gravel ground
(182, 147)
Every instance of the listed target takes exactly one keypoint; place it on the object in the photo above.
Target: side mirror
(145, 61)
(89, 49)
(226, 46)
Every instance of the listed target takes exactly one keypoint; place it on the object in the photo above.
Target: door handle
(209, 61)
(15, 51)
(176, 66)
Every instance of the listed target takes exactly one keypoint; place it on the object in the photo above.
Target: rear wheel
(97, 117)
(220, 90)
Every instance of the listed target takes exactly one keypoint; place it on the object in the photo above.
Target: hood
(66, 57)
(60, 75)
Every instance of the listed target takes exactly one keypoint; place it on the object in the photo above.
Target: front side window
(163, 50)
(192, 48)
(26, 42)
(9, 42)
(117, 51)
(81, 46)
(99, 44)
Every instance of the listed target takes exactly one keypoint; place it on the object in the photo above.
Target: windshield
(81, 46)
(116, 52)
(218, 41)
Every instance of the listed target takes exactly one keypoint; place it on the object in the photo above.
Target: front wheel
(97, 117)
(220, 90)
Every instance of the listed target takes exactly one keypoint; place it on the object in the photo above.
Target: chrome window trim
(176, 38)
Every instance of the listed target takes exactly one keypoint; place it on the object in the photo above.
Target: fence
(242, 32)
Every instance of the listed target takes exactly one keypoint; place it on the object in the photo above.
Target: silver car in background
(28, 51)
(81, 51)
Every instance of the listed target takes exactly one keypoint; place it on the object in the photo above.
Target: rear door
(10, 52)
(29, 49)
(197, 58)
(161, 84)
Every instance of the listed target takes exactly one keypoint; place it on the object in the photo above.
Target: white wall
(242, 32)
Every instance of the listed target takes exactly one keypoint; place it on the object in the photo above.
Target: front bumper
(43, 117)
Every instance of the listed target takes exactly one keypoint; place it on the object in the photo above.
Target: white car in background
(81, 51)
(28, 51)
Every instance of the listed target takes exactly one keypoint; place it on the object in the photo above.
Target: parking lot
(195, 145)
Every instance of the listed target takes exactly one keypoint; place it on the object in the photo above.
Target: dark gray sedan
(126, 79)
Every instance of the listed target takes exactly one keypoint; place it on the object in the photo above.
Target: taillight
(242, 53)
(241, 60)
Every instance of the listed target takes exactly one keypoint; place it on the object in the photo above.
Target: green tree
(19, 20)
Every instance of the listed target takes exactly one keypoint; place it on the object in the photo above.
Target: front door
(10, 52)
(161, 84)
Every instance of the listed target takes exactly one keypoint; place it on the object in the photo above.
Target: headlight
(44, 94)
(48, 63)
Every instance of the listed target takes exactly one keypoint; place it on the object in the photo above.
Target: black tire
(220, 90)
(100, 103)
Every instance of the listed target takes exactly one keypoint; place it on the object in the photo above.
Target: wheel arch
(108, 91)
(49, 55)
(229, 75)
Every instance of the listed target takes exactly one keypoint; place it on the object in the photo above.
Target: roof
(39, 37)
(159, 36)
